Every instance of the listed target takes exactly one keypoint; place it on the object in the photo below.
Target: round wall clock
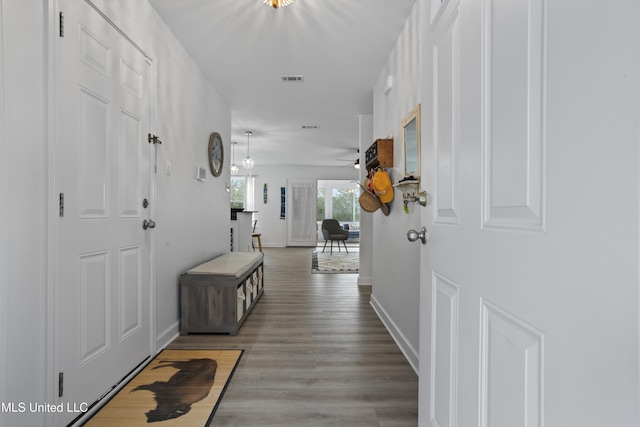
(216, 154)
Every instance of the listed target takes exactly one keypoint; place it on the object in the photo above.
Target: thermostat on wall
(201, 173)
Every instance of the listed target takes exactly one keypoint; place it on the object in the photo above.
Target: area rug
(178, 388)
(338, 262)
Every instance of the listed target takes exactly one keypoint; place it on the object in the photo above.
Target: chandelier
(277, 3)
(247, 162)
(234, 167)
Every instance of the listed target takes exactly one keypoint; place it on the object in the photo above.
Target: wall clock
(216, 154)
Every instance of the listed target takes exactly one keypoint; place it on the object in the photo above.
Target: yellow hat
(382, 186)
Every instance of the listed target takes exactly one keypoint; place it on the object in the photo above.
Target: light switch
(168, 167)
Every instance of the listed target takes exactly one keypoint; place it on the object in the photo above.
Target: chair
(255, 235)
(331, 231)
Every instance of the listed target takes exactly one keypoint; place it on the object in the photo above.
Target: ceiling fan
(350, 162)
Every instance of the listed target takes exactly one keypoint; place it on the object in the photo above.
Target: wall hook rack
(411, 192)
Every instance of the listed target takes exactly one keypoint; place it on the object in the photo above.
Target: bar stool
(255, 235)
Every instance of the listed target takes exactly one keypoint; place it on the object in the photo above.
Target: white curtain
(301, 213)
(250, 193)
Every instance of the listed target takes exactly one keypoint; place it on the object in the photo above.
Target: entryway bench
(217, 296)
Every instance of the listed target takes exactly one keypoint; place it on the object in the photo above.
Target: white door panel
(103, 171)
(529, 294)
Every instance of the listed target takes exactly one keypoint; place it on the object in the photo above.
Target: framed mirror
(411, 142)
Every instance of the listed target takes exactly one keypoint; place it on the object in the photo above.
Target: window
(243, 192)
(345, 205)
(338, 199)
(238, 192)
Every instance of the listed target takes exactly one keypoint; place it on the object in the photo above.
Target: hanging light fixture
(247, 162)
(277, 3)
(234, 167)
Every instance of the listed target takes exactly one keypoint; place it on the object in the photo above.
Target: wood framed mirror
(411, 143)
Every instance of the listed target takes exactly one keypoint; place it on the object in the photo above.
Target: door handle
(413, 235)
(148, 224)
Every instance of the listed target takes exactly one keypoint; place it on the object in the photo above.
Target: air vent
(292, 78)
(309, 127)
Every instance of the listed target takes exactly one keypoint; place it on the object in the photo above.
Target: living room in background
(338, 199)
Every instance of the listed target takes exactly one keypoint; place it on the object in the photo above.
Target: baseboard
(365, 281)
(168, 335)
(406, 348)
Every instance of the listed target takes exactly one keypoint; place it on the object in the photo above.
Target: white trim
(51, 31)
(168, 335)
(101, 7)
(410, 353)
(152, 96)
(365, 280)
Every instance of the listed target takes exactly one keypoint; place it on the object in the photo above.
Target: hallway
(315, 354)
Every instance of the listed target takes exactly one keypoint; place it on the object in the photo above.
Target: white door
(529, 293)
(103, 303)
(301, 212)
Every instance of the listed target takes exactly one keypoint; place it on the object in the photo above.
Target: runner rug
(338, 262)
(178, 388)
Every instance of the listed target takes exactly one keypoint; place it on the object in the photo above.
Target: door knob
(148, 224)
(413, 235)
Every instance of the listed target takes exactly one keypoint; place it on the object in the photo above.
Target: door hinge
(61, 22)
(60, 384)
(61, 206)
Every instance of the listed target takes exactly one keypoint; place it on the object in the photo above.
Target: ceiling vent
(309, 127)
(292, 78)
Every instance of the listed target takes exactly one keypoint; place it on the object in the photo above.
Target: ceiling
(244, 47)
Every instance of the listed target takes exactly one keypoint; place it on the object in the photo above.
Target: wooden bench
(217, 296)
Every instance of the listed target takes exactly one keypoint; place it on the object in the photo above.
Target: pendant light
(277, 3)
(247, 163)
(234, 167)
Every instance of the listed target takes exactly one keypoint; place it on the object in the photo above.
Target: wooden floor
(316, 354)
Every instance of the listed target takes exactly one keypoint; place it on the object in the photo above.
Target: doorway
(103, 306)
(338, 199)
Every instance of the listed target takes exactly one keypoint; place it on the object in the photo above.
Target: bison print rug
(178, 388)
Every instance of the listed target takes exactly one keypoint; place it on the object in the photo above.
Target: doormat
(178, 388)
(338, 262)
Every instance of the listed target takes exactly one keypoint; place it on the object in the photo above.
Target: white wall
(192, 217)
(365, 273)
(272, 228)
(396, 274)
(24, 172)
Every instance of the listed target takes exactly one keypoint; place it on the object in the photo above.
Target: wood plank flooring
(316, 354)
